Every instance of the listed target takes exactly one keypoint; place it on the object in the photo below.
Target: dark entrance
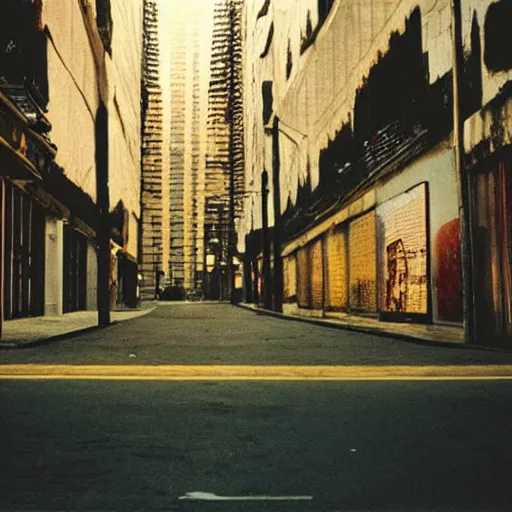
(492, 238)
(24, 256)
(75, 270)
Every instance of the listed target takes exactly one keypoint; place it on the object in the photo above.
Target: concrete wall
(124, 74)
(92, 276)
(74, 96)
(73, 92)
(54, 267)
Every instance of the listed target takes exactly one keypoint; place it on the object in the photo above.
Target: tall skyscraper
(192, 94)
(190, 38)
(225, 157)
(155, 231)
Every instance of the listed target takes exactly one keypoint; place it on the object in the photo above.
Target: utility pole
(465, 215)
(278, 263)
(267, 280)
(103, 226)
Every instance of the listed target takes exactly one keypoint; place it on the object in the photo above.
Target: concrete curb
(375, 331)
(13, 345)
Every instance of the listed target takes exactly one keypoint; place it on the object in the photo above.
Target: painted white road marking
(208, 496)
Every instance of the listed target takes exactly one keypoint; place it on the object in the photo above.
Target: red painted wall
(448, 281)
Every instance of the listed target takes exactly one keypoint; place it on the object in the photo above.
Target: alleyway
(215, 333)
(114, 440)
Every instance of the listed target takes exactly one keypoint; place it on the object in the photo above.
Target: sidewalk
(420, 332)
(27, 332)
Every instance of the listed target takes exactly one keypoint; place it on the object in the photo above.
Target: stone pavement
(33, 331)
(421, 332)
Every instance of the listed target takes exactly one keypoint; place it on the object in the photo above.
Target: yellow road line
(255, 373)
(249, 379)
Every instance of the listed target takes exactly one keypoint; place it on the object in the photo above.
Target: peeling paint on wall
(394, 105)
(472, 78)
(498, 36)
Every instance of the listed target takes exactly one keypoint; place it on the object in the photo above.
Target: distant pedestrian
(139, 283)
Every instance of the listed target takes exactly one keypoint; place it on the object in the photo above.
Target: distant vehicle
(172, 293)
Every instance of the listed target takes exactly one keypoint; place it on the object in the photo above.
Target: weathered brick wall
(303, 281)
(403, 259)
(290, 276)
(317, 274)
(363, 272)
(336, 286)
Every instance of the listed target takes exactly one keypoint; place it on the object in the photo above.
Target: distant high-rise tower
(190, 36)
(225, 157)
(154, 231)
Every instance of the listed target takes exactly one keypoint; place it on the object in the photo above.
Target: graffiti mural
(403, 255)
(396, 294)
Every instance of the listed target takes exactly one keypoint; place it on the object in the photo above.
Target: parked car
(172, 293)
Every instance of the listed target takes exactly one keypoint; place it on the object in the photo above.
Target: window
(268, 100)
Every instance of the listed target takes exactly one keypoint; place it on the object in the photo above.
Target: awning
(23, 152)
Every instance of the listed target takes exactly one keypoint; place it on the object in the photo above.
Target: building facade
(350, 115)
(487, 152)
(66, 101)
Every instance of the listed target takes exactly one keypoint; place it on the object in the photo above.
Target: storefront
(24, 254)
(492, 241)
(24, 155)
(75, 270)
(488, 148)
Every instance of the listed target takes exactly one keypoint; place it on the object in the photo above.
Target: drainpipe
(465, 214)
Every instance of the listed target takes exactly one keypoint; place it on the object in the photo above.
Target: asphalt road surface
(210, 407)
